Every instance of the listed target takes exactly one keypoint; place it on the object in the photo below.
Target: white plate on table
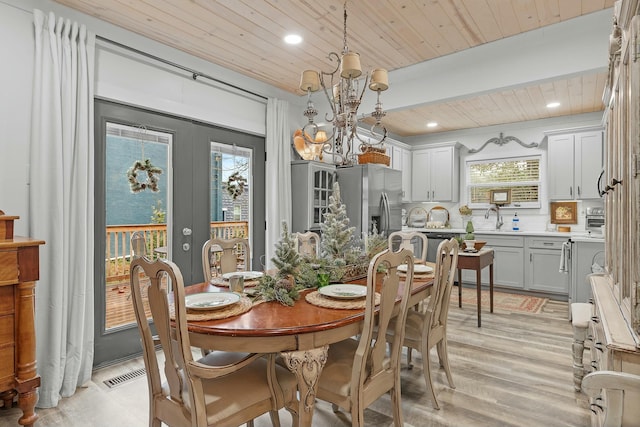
(417, 268)
(248, 275)
(343, 291)
(210, 300)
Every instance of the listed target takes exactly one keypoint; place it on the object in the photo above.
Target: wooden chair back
(414, 241)
(196, 392)
(375, 371)
(308, 244)
(225, 256)
(437, 308)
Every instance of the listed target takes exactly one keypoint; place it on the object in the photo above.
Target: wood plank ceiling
(246, 36)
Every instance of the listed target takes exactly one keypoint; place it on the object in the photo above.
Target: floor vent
(126, 377)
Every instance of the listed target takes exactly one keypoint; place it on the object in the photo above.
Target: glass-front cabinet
(311, 187)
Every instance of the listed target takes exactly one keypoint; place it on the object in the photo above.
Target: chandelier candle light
(342, 89)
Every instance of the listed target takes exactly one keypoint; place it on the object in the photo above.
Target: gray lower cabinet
(542, 265)
(529, 263)
(508, 261)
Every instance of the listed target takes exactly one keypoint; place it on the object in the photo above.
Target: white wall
(121, 76)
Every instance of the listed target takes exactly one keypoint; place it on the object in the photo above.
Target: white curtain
(61, 203)
(278, 174)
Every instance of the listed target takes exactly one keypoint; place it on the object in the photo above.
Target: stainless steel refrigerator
(372, 194)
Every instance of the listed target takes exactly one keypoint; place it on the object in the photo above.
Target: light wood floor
(514, 371)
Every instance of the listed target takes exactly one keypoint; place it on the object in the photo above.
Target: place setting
(420, 271)
(340, 295)
(214, 305)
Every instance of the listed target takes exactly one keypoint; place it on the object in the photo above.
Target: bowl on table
(474, 244)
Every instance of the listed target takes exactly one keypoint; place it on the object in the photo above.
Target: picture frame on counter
(564, 212)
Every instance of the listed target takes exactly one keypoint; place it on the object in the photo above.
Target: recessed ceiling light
(553, 105)
(292, 39)
(432, 124)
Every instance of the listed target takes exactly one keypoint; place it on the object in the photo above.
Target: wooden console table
(476, 261)
(19, 271)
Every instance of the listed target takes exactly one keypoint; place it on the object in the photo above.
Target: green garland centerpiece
(152, 180)
(282, 286)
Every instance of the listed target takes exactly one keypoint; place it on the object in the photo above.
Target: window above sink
(519, 174)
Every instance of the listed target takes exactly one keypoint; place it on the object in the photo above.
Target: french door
(177, 181)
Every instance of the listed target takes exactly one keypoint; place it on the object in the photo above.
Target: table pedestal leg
(307, 366)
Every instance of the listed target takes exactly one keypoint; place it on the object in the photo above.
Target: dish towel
(565, 257)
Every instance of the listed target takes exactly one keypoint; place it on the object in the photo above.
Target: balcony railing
(118, 250)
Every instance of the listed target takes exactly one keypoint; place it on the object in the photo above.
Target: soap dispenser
(515, 222)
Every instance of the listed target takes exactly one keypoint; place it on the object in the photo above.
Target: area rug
(501, 301)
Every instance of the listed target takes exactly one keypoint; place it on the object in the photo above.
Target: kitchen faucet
(496, 209)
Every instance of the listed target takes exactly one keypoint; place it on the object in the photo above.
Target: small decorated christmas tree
(282, 287)
(287, 258)
(336, 233)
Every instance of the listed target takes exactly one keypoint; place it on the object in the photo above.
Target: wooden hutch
(19, 271)
(615, 325)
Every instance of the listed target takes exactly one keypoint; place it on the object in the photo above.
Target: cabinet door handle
(595, 319)
(571, 191)
(433, 195)
(530, 257)
(598, 346)
(579, 190)
(547, 243)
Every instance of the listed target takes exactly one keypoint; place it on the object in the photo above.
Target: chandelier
(344, 88)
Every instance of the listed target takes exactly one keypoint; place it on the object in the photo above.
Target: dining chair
(308, 244)
(415, 241)
(217, 389)
(360, 370)
(223, 256)
(427, 327)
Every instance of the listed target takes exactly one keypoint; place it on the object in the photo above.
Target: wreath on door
(152, 180)
(236, 184)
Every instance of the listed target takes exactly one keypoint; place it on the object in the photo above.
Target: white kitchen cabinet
(401, 160)
(435, 174)
(542, 265)
(574, 161)
(311, 186)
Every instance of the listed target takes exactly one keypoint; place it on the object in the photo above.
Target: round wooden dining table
(301, 334)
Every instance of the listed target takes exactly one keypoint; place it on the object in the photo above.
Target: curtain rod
(194, 74)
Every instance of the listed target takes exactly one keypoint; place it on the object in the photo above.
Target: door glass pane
(137, 197)
(231, 196)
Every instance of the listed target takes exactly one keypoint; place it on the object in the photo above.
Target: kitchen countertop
(575, 236)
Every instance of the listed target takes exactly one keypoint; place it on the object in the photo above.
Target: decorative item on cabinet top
(373, 155)
(502, 140)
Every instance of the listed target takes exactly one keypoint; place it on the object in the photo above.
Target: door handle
(186, 231)
(186, 247)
